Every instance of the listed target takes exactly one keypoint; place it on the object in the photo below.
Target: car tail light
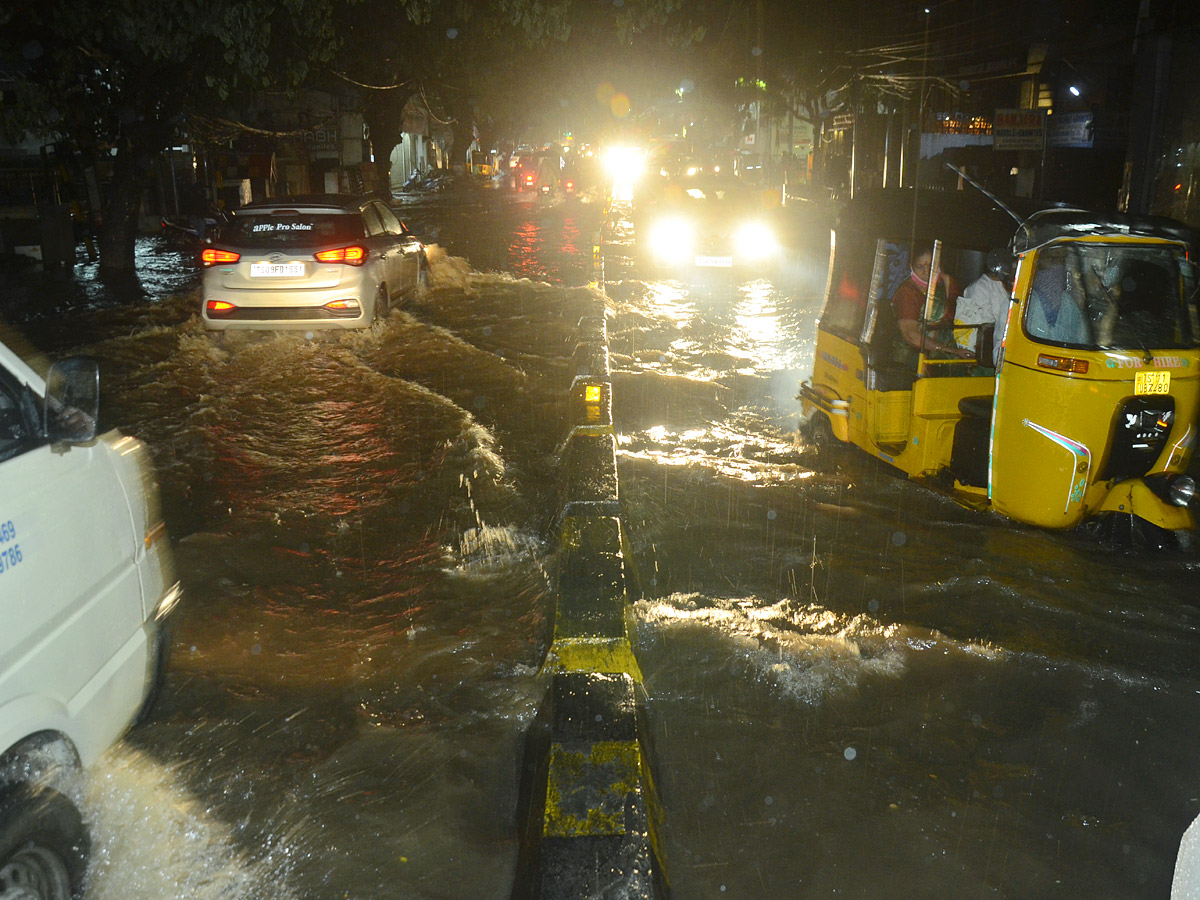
(211, 256)
(353, 255)
(219, 307)
(570, 185)
(529, 179)
(344, 308)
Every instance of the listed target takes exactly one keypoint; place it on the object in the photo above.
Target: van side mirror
(72, 400)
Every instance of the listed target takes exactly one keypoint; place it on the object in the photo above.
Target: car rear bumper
(253, 310)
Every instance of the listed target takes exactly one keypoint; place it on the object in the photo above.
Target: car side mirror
(72, 400)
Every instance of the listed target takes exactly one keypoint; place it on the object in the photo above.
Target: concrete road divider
(590, 819)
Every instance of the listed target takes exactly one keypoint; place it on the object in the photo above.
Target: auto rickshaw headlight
(1182, 490)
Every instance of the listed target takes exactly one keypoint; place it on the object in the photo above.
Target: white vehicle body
(86, 580)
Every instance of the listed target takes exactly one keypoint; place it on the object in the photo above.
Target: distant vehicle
(320, 261)
(705, 221)
(86, 588)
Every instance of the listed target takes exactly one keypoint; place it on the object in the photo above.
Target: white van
(86, 586)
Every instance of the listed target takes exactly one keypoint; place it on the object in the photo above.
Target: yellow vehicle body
(1059, 427)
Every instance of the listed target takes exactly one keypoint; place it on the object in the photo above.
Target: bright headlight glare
(754, 240)
(624, 164)
(671, 240)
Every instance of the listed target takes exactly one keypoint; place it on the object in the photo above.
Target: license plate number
(717, 262)
(275, 270)
(1152, 382)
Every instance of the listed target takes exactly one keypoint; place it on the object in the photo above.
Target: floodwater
(856, 688)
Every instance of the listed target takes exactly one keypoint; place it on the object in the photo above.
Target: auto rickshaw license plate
(1151, 382)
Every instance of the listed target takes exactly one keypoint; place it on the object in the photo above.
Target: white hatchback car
(86, 588)
(321, 261)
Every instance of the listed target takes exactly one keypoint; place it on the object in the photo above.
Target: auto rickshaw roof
(966, 218)
(1057, 224)
(969, 218)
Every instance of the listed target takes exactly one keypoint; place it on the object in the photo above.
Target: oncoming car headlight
(754, 241)
(672, 240)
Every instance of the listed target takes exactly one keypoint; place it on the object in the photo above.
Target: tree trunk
(383, 112)
(118, 233)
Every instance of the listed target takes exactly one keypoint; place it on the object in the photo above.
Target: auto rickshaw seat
(977, 407)
(970, 447)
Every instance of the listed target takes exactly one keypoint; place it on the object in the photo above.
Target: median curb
(590, 819)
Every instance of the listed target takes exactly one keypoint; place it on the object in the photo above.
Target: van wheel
(44, 846)
(383, 305)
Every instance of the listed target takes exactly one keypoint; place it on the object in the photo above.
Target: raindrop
(850, 753)
(309, 335)
(768, 800)
(599, 718)
(304, 547)
(452, 33)
(756, 51)
(480, 402)
(899, 538)
(487, 330)
(873, 605)
(722, 889)
(771, 514)
(256, 649)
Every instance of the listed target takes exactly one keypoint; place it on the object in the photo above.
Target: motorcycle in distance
(1087, 412)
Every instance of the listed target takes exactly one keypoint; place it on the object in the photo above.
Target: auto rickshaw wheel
(1126, 531)
(818, 431)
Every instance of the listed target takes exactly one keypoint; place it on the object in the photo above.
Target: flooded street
(856, 687)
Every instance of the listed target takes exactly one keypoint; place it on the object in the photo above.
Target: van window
(17, 419)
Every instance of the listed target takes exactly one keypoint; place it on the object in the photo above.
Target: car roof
(344, 203)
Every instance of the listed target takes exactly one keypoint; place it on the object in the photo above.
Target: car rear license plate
(717, 262)
(1150, 381)
(275, 270)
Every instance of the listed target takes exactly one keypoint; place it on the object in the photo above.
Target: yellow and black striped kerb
(589, 816)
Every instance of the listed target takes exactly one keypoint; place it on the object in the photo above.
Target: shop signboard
(1076, 129)
(1019, 129)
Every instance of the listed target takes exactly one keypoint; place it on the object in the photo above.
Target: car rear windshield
(294, 229)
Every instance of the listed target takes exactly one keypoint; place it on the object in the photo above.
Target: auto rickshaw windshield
(1113, 297)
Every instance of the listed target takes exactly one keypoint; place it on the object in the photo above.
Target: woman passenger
(908, 303)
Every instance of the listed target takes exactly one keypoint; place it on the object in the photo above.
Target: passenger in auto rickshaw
(935, 336)
(985, 301)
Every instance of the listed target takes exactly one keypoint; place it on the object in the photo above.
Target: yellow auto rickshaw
(1080, 400)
